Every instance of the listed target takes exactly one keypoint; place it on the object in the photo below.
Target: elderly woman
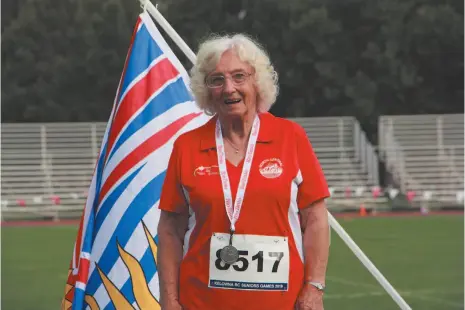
(243, 222)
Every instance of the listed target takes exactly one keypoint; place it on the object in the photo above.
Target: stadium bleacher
(424, 154)
(47, 168)
(349, 161)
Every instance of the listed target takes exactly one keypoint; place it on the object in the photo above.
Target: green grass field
(422, 257)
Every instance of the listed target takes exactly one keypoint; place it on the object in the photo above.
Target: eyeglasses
(218, 80)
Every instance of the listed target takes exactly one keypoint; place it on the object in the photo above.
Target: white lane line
(351, 283)
(355, 295)
(436, 300)
(420, 294)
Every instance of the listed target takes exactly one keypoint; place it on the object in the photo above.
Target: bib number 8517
(220, 265)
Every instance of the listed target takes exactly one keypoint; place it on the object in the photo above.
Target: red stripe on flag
(77, 251)
(70, 295)
(83, 271)
(144, 149)
(126, 61)
(138, 96)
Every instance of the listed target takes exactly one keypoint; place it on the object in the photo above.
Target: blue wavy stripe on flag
(144, 51)
(99, 171)
(136, 210)
(88, 233)
(78, 301)
(110, 201)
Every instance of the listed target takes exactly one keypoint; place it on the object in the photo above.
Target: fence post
(356, 138)
(341, 138)
(375, 166)
(381, 150)
(439, 133)
(44, 157)
(94, 142)
(363, 152)
(47, 168)
(43, 144)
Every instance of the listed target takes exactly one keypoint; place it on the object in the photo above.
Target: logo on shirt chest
(211, 170)
(271, 168)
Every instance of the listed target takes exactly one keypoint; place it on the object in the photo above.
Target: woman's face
(234, 92)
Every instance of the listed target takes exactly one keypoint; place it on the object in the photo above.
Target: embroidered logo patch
(212, 170)
(271, 168)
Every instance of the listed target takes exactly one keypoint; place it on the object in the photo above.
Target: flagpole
(147, 5)
(367, 263)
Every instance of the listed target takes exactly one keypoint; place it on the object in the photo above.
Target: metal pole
(146, 4)
(368, 264)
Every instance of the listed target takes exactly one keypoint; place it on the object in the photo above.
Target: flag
(114, 259)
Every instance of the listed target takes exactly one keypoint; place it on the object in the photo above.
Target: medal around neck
(234, 211)
(229, 254)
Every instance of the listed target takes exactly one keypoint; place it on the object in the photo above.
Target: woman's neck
(237, 129)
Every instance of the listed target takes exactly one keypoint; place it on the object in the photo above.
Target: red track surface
(337, 215)
(39, 223)
(399, 214)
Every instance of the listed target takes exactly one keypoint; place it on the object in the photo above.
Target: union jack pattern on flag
(114, 259)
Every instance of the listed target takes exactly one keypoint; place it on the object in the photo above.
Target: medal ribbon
(233, 214)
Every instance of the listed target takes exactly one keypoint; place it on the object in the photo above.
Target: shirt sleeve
(172, 198)
(313, 186)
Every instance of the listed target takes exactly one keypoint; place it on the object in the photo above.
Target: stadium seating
(424, 154)
(44, 165)
(47, 168)
(347, 158)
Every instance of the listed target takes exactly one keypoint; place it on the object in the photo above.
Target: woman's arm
(171, 230)
(315, 227)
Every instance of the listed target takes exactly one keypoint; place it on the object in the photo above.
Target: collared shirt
(285, 176)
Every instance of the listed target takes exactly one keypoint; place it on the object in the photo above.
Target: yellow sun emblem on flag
(144, 298)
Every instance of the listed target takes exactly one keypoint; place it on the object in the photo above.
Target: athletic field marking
(354, 295)
(420, 294)
(351, 283)
(435, 299)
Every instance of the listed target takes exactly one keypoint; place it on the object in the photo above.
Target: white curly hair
(248, 51)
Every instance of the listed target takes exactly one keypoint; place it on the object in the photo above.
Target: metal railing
(40, 146)
(394, 154)
(365, 153)
(394, 159)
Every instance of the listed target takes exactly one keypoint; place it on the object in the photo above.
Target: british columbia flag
(114, 259)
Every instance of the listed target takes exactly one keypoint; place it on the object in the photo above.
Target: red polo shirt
(285, 176)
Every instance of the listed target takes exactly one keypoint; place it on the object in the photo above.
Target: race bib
(263, 263)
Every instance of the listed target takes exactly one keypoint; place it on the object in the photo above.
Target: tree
(62, 61)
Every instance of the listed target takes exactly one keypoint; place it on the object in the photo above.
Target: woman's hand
(310, 298)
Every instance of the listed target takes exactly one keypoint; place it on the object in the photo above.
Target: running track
(337, 215)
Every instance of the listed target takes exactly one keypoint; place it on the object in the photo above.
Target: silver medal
(229, 254)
